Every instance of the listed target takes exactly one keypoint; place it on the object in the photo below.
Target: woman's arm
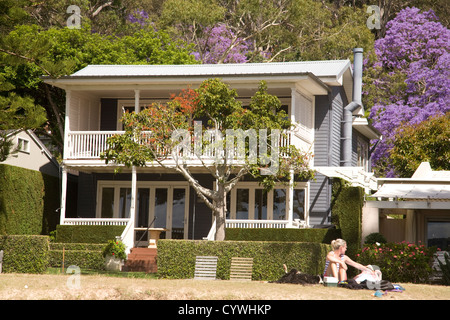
(356, 264)
(332, 258)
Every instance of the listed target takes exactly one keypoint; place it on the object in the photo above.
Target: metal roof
(414, 191)
(326, 68)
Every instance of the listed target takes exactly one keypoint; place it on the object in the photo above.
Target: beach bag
(375, 285)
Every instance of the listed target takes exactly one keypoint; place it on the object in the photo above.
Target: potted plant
(114, 254)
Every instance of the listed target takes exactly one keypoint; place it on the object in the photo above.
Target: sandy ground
(96, 287)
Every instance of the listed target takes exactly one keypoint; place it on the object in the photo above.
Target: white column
(136, 100)
(133, 195)
(410, 226)
(66, 126)
(291, 200)
(293, 103)
(128, 234)
(62, 210)
(370, 221)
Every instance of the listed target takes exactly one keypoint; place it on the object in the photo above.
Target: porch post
(67, 126)
(137, 97)
(62, 208)
(291, 200)
(133, 200)
(293, 102)
(410, 226)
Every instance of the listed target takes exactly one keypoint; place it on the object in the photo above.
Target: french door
(158, 205)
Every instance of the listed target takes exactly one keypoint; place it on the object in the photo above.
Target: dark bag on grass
(379, 285)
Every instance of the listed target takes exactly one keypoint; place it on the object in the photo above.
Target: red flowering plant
(401, 261)
(116, 249)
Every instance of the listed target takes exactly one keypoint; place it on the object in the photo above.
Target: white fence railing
(91, 144)
(127, 234)
(96, 221)
(243, 223)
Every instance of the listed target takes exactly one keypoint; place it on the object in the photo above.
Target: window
(362, 150)
(107, 210)
(250, 201)
(438, 234)
(260, 204)
(124, 202)
(178, 213)
(299, 204)
(23, 145)
(242, 204)
(279, 204)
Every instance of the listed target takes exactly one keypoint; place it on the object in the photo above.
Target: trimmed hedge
(290, 235)
(87, 234)
(28, 200)
(82, 255)
(346, 208)
(176, 258)
(24, 253)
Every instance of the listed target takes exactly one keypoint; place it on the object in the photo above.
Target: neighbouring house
(29, 186)
(411, 209)
(322, 97)
(31, 153)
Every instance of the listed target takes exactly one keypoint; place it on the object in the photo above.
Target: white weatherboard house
(322, 97)
(31, 153)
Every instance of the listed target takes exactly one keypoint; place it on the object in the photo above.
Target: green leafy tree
(427, 141)
(29, 52)
(153, 136)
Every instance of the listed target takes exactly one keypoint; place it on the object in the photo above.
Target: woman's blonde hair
(336, 244)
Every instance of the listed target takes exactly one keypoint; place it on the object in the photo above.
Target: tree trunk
(220, 213)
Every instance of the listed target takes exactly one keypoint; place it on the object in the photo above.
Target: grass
(96, 285)
(137, 275)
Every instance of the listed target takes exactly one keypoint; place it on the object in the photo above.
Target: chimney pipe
(357, 74)
(351, 107)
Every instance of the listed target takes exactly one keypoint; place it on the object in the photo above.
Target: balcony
(89, 145)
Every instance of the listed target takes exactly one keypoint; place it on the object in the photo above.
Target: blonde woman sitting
(337, 261)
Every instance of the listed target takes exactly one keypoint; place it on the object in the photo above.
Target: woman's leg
(333, 270)
(342, 274)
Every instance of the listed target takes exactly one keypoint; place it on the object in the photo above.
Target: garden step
(142, 260)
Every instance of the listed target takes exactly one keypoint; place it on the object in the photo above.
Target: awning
(414, 191)
(357, 176)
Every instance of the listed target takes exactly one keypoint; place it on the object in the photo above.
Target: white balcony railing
(89, 145)
(245, 223)
(95, 221)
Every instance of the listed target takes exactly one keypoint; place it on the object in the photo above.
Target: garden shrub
(25, 253)
(445, 269)
(87, 233)
(83, 255)
(346, 208)
(176, 258)
(400, 262)
(375, 237)
(290, 235)
(28, 200)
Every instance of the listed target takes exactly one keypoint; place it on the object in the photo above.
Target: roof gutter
(351, 107)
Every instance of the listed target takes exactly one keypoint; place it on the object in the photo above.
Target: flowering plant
(399, 262)
(410, 81)
(116, 249)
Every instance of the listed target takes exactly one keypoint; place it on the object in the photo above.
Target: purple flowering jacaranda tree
(219, 44)
(412, 78)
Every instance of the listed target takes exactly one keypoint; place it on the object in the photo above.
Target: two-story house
(322, 97)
